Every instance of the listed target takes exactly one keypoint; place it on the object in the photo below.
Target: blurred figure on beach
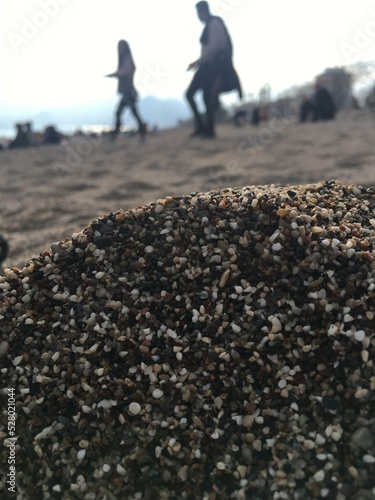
(324, 106)
(4, 249)
(307, 110)
(51, 135)
(125, 75)
(214, 71)
(22, 139)
(370, 100)
(28, 128)
(255, 116)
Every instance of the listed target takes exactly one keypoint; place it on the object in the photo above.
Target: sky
(56, 52)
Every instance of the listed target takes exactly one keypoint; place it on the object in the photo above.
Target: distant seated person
(51, 136)
(255, 117)
(22, 139)
(30, 134)
(4, 249)
(239, 118)
(324, 107)
(263, 114)
(307, 110)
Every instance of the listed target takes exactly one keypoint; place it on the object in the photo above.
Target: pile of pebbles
(213, 346)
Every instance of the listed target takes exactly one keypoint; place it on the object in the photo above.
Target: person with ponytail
(125, 75)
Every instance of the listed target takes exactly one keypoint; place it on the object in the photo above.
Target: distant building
(339, 83)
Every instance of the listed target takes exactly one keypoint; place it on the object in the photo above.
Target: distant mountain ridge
(165, 113)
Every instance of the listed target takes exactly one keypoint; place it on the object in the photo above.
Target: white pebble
(282, 384)
(332, 330)
(106, 404)
(134, 408)
(319, 476)
(17, 360)
(56, 356)
(157, 393)
(215, 435)
(171, 333)
(81, 454)
(359, 335)
(46, 433)
(120, 469)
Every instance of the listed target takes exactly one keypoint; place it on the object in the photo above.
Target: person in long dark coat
(214, 70)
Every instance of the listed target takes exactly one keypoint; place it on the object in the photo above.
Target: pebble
(319, 476)
(157, 394)
(4, 348)
(359, 335)
(210, 345)
(134, 408)
(363, 438)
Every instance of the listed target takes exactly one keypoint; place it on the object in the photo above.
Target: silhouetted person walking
(214, 70)
(125, 74)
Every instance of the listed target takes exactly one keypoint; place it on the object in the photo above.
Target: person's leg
(122, 105)
(141, 124)
(211, 101)
(194, 86)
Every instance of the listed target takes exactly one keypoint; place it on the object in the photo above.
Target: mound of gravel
(212, 346)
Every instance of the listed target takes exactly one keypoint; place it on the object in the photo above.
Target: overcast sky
(55, 52)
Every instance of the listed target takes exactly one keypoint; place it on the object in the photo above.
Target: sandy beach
(209, 345)
(50, 192)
